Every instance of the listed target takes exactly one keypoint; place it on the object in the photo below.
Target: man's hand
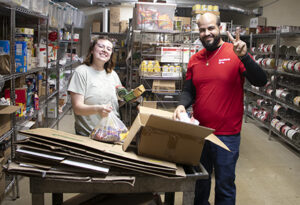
(178, 110)
(239, 47)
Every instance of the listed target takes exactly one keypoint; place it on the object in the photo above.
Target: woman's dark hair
(109, 65)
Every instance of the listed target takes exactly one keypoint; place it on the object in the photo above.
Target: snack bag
(110, 129)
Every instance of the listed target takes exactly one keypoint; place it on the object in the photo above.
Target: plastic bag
(110, 129)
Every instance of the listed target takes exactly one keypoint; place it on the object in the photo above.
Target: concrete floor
(268, 171)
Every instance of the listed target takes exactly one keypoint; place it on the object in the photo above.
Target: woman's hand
(104, 110)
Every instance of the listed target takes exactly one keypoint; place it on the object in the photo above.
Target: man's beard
(212, 46)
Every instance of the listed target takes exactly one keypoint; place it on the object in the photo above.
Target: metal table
(143, 184)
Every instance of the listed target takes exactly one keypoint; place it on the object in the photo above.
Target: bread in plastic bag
(110, 129)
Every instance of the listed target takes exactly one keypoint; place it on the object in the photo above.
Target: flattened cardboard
(78, 151)
(109, 149)
(32, 171)
(136, 167)
(167, 139)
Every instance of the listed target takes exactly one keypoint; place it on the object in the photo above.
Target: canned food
(296, 101)
(284, 64)
(298, 50)
(279, 125)
(278, 92)
(274, 122)
(293, 135)
(291, 65)
(297, 67)
(285, 129)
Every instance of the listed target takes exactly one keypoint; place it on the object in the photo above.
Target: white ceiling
(180, 3)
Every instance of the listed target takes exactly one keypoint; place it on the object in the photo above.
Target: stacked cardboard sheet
(55, 154)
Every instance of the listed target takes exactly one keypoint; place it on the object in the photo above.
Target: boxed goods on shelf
(257, 21)
(124, 26)
(21, 56)
(163, 86)
(6, 117)
(154, 17)
(96, 27)
(114, 19)
(174, 54)
(4, 47)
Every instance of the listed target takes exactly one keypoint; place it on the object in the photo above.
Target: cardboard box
(161, 137)
(114, 20)
(150, 104)
(6, 154)
(182, 23)
(6, 117)
(123, 26)
(258, 21)
(96, 28)
(154, 16)
(2, 185)
(163, 86)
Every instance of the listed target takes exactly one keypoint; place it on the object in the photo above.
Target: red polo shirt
(219, 89)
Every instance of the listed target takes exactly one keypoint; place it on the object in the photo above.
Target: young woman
(92, 87)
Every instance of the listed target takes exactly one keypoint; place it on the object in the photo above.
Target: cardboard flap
(135, 127)
(152, 111)
(4, 109)
(178, 127)
(214, 139)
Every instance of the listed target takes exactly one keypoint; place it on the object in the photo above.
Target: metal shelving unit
(40, 23)
(276, 83)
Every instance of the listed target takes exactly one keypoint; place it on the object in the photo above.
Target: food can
(296, 101)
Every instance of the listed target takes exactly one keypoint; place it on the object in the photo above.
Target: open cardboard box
(162, 137)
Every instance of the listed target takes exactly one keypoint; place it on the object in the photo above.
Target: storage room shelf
(10, 186)
(293, 121)
(284, 104)
(17, 75)
(6, 135)
(289, 74)
(30, 13)
(157, 32)
(162, 44)
(257, 93)
(66, 41)
(296, 87)
(160, 78)
(52, 95)
(286, 139)
(263, 124)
